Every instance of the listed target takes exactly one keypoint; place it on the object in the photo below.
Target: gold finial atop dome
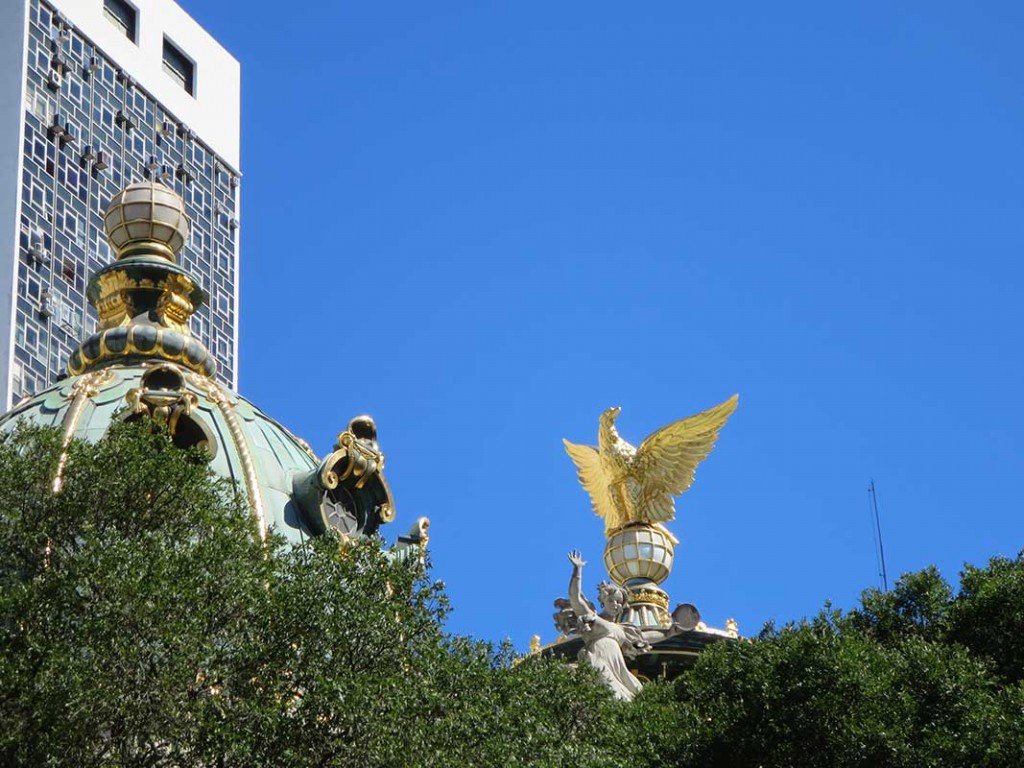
(144, 299)
(146, 218)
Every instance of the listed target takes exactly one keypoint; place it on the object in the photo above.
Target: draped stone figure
(606, 642)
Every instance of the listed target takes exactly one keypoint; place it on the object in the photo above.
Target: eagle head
(607, 423)
(611, 414)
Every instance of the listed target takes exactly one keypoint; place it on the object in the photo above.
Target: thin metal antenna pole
(878, 528)
(874, 538)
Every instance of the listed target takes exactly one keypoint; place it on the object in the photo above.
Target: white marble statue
(606, 642)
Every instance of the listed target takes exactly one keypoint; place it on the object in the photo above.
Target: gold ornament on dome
(114, 303)
(144, 299)
(630, 485)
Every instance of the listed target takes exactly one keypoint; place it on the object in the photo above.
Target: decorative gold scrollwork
(657, 598)
(114, 303)
(348, 491)
(174, 307)
(164, 398)
(363, 460)
(164, 407)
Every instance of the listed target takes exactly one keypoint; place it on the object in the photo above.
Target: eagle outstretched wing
(667, 460)
(592, 477)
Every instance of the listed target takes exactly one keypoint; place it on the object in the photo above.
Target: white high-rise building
(96, 94)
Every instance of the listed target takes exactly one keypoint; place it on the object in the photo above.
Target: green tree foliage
(917, 606)
(988, 614)
(118, 595)
(813, 695)
(143, 623)
(916, 676)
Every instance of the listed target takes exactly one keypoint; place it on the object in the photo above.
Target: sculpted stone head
(613, 598)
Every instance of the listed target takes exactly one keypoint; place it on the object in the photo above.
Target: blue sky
(484, 223)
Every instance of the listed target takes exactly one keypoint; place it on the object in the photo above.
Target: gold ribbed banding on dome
(146, 218)
(223, 401)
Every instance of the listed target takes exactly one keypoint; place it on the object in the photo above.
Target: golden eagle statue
(636, 485)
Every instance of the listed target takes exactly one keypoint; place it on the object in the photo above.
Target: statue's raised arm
(580, 605)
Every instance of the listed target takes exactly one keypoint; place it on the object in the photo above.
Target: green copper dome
(143, 363)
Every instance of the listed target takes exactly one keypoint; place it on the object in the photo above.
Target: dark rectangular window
(180, 67)
(121, 15)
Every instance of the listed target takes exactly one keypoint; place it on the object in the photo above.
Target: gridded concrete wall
(89, 131)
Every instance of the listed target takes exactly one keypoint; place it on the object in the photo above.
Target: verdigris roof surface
(242, 435)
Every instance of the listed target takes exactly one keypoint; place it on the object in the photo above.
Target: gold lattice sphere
(639, 552)
(146, 216)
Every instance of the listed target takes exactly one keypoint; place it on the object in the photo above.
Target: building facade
(95, 95)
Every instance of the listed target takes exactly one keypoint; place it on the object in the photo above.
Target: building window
(180, 67)
(121, 15)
